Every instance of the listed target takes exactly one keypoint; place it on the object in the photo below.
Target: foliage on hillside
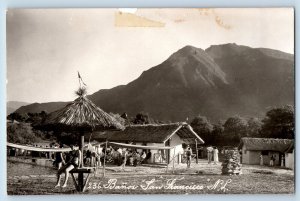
(23, 133)
(278, 123)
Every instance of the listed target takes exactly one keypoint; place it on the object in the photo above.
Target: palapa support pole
(80, 174)
(80, 181)
(196, 151)
(81, 145)
(104, 158)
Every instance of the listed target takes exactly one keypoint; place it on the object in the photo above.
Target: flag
(80, 78)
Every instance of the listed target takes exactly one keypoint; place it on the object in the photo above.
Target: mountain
(38, 107)
(12, 106)
(221, 81)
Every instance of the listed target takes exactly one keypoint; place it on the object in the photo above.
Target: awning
(40, 149)
(31, 148)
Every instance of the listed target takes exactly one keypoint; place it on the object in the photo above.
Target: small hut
(253, 148)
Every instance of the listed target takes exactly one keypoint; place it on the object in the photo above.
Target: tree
(203, 127)
(36, 118)
(16, 117)
(254, 127)
(234, 129)
(21, 133)
(218, 134)
(279, 123)
(142, 118)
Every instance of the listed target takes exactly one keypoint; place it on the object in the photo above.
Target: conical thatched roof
(81, 114)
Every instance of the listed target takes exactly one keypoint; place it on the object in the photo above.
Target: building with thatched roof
(254, 148)
(162, 135)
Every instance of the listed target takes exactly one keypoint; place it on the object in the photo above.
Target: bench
(80, 184)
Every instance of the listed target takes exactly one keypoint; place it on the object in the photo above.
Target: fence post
(104, 158)
(196, 151)
(174, 159)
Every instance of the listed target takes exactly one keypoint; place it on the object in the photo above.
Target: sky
(111, 47)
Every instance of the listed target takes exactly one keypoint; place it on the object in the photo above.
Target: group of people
(271, 162)
(131, 157)
(95, 157)
(212, 154)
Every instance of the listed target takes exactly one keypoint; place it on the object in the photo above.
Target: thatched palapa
(81, 114)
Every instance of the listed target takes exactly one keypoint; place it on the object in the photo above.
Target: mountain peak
(193, 66)
(188, 49)
(222, 81)
(225, 50)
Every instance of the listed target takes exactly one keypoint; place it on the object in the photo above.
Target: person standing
(216, 155)
(261, 159)
(124, 158)
(188, 156)
(209, 154)
(88, 157)
(282, 161)
(272, 160)
(99, 155)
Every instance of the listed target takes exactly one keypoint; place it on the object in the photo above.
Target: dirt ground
(201, 178)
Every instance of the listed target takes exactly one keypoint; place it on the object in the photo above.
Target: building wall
(253, 157)
(250, 157)
(176, 142)
(289, 160)
(245, 155)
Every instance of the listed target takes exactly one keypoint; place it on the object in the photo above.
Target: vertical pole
(80, 181)
(104, 159)
(80, 174)
(174, 159)
(81, 148)
(196, 151)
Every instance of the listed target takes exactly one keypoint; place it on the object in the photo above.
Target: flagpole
(79, 79)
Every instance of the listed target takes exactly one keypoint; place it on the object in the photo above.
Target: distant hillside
(12, 106)
(38, 107)
(221, 81)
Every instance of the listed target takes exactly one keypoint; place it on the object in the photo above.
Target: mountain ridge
(218, 82)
